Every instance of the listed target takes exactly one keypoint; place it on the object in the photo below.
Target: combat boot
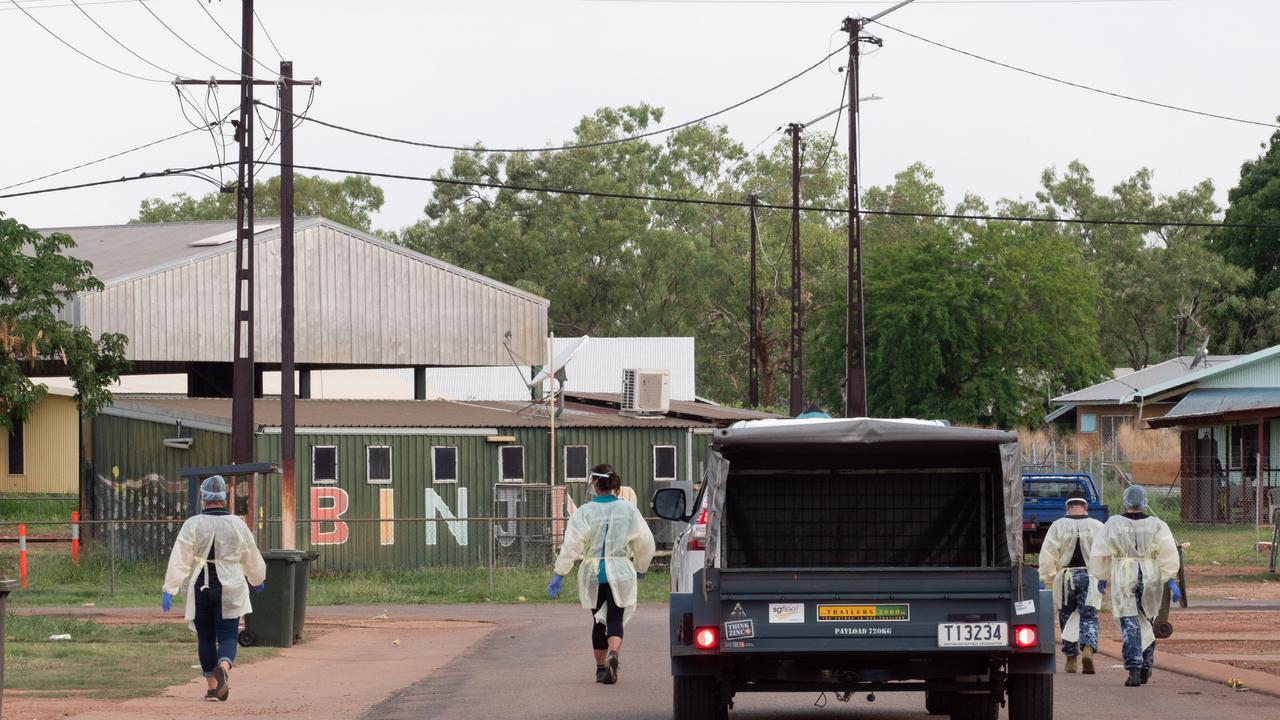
(1071, 664)
(1134, 679)
(1086, 660)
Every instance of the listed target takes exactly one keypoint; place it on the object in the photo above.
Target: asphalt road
(538, 664)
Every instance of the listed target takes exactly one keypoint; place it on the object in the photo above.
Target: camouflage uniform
(1135, 656)
(1078, 591)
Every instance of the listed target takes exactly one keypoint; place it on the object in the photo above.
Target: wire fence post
(493, 536)
(113, 558)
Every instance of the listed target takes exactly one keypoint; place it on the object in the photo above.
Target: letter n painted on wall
(328, 505)
(456, 524)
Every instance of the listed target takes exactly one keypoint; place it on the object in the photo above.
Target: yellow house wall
(52, 455)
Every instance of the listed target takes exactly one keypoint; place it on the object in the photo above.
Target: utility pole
(288, 476)
(242, 368)
(753, 342)
(797, 326)
(855, 351)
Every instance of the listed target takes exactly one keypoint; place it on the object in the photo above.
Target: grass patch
(55, 582)
(90, 663)
(1224, 544)
(38, 508)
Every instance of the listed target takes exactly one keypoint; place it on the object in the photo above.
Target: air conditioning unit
(646, 391)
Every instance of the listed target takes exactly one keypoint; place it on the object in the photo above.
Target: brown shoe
(1071, 664)
(1086, 660)
(221, 691)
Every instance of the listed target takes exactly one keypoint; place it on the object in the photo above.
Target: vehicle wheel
(1163, 629)
(973, 707)
(695, 697)
(723, 712)
(246, 638)
(1031, 697)
(937, 702)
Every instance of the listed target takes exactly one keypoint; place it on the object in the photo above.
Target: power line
(79, 51)
(117, 41)
(104, 158)
(1079, 86)
(171, 172)
(175, 33)
(661, 198)
(578, 146)
(743, 204)
(267, 32)
(234, 41)
(67, 4)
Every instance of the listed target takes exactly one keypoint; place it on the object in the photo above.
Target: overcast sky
(522, 73)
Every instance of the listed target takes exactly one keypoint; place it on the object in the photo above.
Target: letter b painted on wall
(336, 502)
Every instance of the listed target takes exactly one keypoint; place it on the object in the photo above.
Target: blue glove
(1102, 587)
(1042, 585)
(260, 587)
(639, 576)
(1175, 593)
(553, 588)
(166, 602)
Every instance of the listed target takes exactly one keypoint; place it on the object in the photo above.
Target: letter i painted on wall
(337, 504)
(387, 513)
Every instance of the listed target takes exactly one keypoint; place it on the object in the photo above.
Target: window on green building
(511, 463)
(378, 464)
(444, 464)
(575, 463)
(664, 462)
(324, 464)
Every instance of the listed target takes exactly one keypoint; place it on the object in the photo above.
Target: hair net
(213, 488)
(1135, 496)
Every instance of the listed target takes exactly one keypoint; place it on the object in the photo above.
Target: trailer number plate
(982, 634)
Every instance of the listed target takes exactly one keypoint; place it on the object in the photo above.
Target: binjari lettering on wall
(456, 524)
(336, 502)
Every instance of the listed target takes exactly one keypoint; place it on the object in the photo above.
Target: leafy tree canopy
(36, 277)
(350, 201)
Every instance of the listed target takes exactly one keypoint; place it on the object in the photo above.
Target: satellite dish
(561, 359)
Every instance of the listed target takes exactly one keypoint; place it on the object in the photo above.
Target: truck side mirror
(668, 504)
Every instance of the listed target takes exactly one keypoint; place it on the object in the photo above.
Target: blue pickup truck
(1045, 500)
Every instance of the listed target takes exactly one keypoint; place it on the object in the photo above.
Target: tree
(972, 322)
(1252, 322)
(350, 201)
(624, 267)
(1162, 287)
(36, 277)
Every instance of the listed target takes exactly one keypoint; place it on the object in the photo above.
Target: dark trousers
(215, 636)
(1136, 657)
(612, 627)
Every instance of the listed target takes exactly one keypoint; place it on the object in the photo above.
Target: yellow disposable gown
(1060, 542)
(1125, 548)
(236, 557)
(616, 532)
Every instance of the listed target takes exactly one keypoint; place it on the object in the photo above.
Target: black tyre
(1031, 697)
(695, 697)
(246, 638)
(973, 707)
(937, 702)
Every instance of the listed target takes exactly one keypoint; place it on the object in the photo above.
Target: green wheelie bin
(302, 573)
(272, 621)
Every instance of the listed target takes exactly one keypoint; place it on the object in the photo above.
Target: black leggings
(612, 627)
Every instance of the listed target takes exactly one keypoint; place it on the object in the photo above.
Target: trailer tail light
(1025, 636)
(1028, 526)
(698, 534)
(706, 638)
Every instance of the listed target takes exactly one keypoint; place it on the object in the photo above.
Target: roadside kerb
(1254, 680)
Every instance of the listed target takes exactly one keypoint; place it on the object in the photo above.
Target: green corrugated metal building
(395, 484)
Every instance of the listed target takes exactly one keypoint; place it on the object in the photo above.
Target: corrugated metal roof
(374, 414)
(361, 301)
(1117, 389)
(1254, 370)
(1207, 403)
